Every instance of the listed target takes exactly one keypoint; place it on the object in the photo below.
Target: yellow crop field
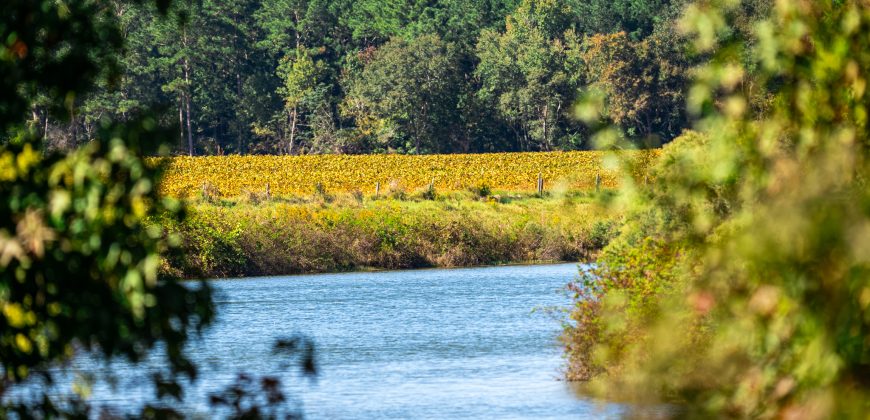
(232, 176)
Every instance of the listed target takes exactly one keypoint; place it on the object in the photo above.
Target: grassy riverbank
(224, 238)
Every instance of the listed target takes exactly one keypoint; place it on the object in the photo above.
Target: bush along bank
(232, 239)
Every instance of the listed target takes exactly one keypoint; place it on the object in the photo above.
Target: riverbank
(225, 238)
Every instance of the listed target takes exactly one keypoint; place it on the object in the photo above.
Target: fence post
(598, 182)
(268, 191)
(377, 189)
(540, 184)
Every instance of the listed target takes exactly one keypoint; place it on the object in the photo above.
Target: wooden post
(268, 191)
(377, 189)
(540, 185)
(598, 182)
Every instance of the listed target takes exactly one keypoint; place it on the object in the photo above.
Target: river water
(458, 343)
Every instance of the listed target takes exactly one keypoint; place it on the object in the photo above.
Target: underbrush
(292, 235)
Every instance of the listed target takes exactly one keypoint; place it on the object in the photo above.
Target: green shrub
(80, 267)
(429, 193)
(740, 284)
(210, 250)
(481, 190)
(284, 238)
(601, 233)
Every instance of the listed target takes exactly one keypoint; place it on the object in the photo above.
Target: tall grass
(241, 238)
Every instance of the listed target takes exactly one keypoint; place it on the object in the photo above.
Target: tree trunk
(558, 111)
(238, 120)
(294, 116)
(518, 136)
(181, 122)
(189, 134)
(186, 94)
(546, 138)
(296, 29)
(418, 129)
(74, 129)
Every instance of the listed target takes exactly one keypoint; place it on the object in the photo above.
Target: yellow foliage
(232, 176)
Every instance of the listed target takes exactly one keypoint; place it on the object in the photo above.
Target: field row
(232, 176)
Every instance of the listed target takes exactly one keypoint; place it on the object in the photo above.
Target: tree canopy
(235, 76)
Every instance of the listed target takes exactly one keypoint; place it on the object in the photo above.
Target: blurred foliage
(249, 397)
(740, 286)
(79, 264)
(40, 42)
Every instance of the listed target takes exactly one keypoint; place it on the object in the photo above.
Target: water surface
(460, 343)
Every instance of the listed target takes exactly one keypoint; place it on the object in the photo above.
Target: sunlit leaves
(79, 263)
(765, 205)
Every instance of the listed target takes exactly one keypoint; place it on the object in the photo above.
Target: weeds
(282, 237)
(481, 190)
(429, 193)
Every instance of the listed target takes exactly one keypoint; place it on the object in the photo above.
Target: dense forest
(401, 76)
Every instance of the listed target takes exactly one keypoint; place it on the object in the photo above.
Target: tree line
(400, 76)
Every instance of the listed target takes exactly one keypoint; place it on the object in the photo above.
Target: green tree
(301, 91)
(642, 83)
(637, 18)
(214, 67)
(526, 74)
(405, 94)
(234, 70)
(306, 41)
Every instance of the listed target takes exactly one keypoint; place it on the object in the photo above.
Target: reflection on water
(462, 343)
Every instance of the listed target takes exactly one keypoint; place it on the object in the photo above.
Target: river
(457, 343)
